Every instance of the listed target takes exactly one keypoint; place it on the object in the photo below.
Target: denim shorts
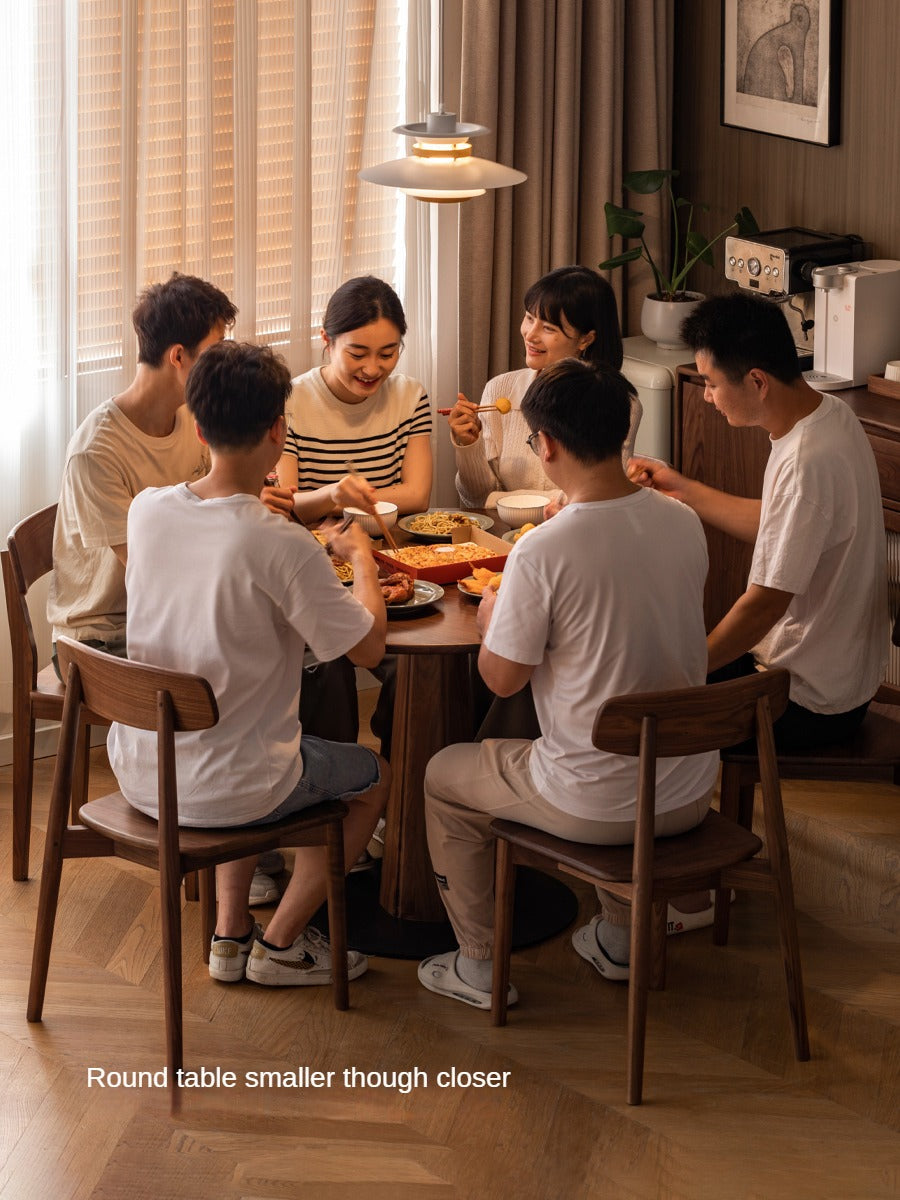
(331, 771)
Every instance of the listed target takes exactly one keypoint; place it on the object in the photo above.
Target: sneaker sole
(304, 978)
(602, 964)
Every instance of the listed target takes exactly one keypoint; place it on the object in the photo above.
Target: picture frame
(781, 65)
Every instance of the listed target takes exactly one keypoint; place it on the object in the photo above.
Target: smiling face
(361, 360)
(546, 343)
(739, 403)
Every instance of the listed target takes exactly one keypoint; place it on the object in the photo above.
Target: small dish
(520, 510)
(424, 593)
(367, 522)
(463, 585)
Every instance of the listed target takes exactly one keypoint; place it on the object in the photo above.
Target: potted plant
(666, 307)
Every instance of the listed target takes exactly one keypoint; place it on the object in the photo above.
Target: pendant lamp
(442, 168)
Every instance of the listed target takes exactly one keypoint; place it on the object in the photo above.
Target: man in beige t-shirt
(141, 438)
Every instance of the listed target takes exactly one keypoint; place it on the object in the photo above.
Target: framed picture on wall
(781, 68)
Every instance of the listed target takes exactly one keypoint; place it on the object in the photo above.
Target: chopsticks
(379, 519)
(445, 412)
(272, 481)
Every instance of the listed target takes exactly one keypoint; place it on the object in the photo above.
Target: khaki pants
(466, 787)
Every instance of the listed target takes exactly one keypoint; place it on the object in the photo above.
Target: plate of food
(342, 568)
(473, 586)
(404, 596)
(437, 524)
(513, 535)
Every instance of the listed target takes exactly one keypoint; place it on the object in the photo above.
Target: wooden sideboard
(706, 447)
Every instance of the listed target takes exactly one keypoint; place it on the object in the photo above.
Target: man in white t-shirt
(141, 438)
(581, 616)
(221, 587)
(816, 599)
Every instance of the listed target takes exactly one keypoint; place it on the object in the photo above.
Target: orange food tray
(450, 572)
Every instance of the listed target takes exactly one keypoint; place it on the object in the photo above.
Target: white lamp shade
(415, 175)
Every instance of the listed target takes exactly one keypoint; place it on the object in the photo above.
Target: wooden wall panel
(853, 187)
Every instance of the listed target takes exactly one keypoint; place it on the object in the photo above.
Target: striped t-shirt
(324, 432)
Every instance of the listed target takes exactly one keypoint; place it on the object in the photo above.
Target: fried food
(526, 528)
(397, 588)
(482, 579)
(438, 556)
(437, 523)
(342, 568)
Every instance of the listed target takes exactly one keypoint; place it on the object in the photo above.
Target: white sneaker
(585, 942)
(684, 922)
(439, 974)
(263, 889)
(228, 956)
(305, 963)
(375, 848)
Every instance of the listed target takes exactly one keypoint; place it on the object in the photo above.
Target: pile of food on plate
(526, 528)
(397, 588)
(437, 523)
(342, 568)
(440, 555)
(481, 579)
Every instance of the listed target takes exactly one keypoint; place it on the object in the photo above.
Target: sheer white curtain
(217, 137)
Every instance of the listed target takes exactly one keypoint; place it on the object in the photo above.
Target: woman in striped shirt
(355, 410)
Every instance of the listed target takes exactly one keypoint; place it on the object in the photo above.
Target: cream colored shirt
(109, 461)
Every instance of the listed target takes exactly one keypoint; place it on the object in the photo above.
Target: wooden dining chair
(718, 853)
(872, 754)
(102, 687)
(37, 694)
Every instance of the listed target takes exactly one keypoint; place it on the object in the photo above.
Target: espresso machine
(779, 264)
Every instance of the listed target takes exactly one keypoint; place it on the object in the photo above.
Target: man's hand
(352, 544)
(465, 425)
(656, 474)
(278, 500)
(353, 491)
(486, 609)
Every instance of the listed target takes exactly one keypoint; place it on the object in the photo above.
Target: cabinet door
(733, 460)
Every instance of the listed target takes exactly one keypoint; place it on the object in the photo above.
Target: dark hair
(235, 392)
(740, 331)
(359, 302)
(586, 301)
(182, 311)
(586, 408)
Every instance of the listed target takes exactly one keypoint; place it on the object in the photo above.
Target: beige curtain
(576, 93)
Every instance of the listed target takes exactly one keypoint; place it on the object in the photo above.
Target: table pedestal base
(544, 906)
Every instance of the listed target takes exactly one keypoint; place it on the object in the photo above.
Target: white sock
(614, 940)
(476, 972)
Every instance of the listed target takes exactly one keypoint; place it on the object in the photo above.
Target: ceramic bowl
(518, 510)
(368, 523)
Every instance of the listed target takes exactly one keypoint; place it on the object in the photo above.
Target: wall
(853, 187)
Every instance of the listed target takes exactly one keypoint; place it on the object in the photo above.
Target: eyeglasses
(531, 442)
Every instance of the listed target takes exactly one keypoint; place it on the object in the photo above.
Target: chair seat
(114, 818)
(715, 843)
(876, 743)
(47, 695)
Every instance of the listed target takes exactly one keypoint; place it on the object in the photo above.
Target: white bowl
(388, 513)
(518, 510)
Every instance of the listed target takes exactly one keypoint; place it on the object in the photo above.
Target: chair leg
(336, 895)
(722, 916)
(191, 886)
(504, 894)
(638, 986)
(206, 882)
(46, 921)
(170, 911)
(658, 941)
(23, 784)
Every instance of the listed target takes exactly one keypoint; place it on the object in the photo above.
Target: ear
(200, 438)
(587, 340)
(177, 356)
(759, 379)
(326, 341)
(549, 447)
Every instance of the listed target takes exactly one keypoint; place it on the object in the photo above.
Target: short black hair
(584, 299)
(586, 408)
(740, 331)
(182, 311)
(235, 392)
(359, 302)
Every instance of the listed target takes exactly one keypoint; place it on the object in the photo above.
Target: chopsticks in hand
(379, 519)
(272, 481)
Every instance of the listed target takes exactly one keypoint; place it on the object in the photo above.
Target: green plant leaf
(698, 248)
(746, 222)
(646, 182)
(620, 259)
(623, 221)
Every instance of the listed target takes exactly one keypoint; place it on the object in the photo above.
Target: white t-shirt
(225, 589)
(324, 432)
(109, 460)
(499, 461)
(821, 537)
(605, 599)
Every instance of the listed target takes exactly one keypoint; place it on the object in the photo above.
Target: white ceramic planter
(661, 319)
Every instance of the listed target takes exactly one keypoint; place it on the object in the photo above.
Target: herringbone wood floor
(728, 1111)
